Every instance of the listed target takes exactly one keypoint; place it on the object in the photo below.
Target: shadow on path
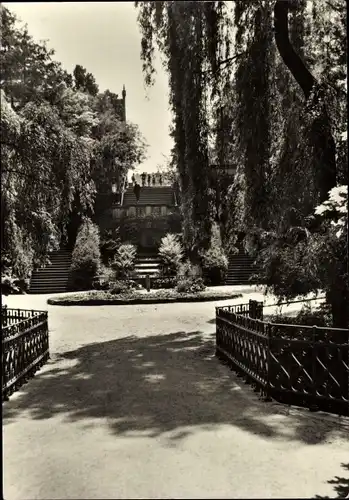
(341, 484)
(153, 385)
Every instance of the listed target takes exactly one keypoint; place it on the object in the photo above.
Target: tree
(320, 138)
(85, 82)
(320, 142)
(175, 27)
(28, 72)
(121, 148)
(58, 141)
(276, 111)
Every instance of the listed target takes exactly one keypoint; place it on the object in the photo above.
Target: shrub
(214, 261)
(110, 242)
(189, 278)
(124, 261)
(308, 316)
(171, 254)
(127, 287)
(104, 279)
(156, 283)
(215, 265)
(86, 256)
(13, 285)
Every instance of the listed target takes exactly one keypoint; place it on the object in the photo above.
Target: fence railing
(25, 346)
(295, 364)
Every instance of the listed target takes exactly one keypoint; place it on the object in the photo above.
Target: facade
(143, 219)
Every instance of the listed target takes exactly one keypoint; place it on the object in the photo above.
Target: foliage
(288, 150)
(123, 287)
(28, 72)
(309, 316)
(214, 261)
(124, 261)
(62, 143)
(306, 260)
(96, 297)
(120, 147)
(84, 81)
(12, 285)
(186, 34)
(335, 208)
(104, 278)
(110, 241)
(189, 278)
(162, 283)
(86, 256)
(171, 254)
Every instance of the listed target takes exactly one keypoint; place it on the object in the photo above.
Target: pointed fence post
(312, 405)
(269, 372)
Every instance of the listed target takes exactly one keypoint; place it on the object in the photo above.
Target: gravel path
(133, 404)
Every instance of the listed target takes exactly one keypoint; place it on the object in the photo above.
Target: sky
(105, 39)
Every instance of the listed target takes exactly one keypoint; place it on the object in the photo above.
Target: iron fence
(25, 346)
(295, 364)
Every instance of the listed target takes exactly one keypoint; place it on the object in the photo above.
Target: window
(163, 210)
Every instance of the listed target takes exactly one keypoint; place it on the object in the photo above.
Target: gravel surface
(133, 404)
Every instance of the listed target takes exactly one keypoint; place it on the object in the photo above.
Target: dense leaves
(124, 261)
(62, 143)
(214, 261)
(86, 257)
(186, 34)
(171, 254)
(266, 95)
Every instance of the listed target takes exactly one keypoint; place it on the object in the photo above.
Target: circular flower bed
(99, 297)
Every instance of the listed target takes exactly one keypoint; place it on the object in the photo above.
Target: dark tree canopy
(259, 86)
(57, 143)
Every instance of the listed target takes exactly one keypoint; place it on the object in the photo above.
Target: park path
(133, 404)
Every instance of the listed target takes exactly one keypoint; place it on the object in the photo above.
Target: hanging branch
(225, 61)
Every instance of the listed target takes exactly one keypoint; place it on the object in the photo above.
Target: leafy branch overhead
(258, 86)
(63, 142)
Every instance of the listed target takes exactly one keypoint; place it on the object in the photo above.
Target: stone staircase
(53, 278)
(147, 264)
(149, 195)
(240, 269)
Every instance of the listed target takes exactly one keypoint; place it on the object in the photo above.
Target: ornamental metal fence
(25, 346)
(294, 364)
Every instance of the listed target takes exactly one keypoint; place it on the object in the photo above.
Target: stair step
(147, 264)
(54, 277)
(48, 288)
(53, 271)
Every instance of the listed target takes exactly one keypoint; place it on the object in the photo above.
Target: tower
(124, 103)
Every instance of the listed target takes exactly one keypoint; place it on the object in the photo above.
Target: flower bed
(99, 297)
